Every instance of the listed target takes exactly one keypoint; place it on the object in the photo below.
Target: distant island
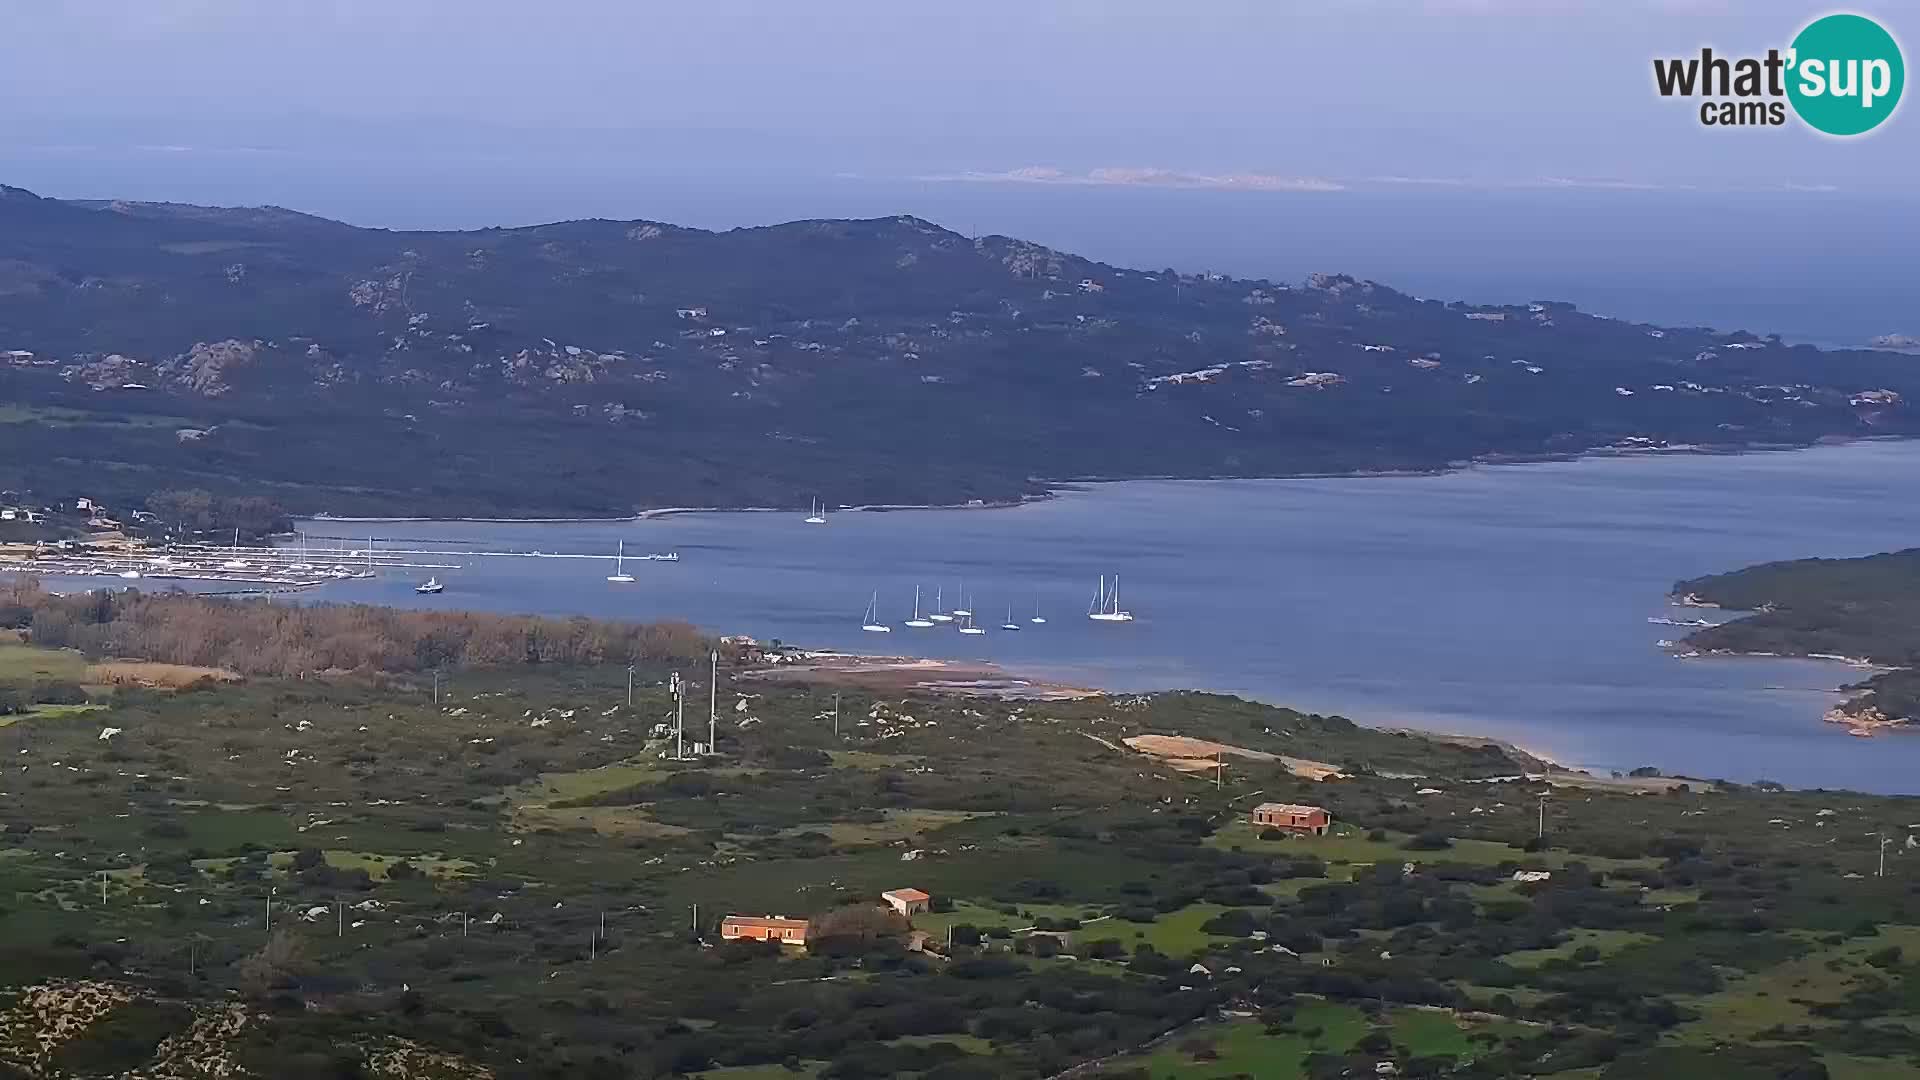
(596, 368)
(1864, 610)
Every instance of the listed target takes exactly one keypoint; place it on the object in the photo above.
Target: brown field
(147, 673)
(1198, 755)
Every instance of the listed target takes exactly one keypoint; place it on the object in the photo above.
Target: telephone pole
(629, 686)
(1541, 832)
(836, 714)
(713, 701)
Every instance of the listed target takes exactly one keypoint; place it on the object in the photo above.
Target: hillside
(1866, 608)
(594, 367)
(508, 872)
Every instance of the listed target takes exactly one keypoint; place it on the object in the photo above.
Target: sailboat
(966, 623)
(918, 622)
(817, 514)
(963, 612)
(620, 565)
(303, 564)
(871, 620)
(1009, 624)
(938, 615)
(236, 563)
(431, 585)
(1106, 605)
(1037, 617)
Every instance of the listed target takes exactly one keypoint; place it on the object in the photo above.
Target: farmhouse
(764, 928)
(1293, 817)
(907, 902)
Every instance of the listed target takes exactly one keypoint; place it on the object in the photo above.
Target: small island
(1863, 611)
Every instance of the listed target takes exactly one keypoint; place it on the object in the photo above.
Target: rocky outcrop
(208, 368)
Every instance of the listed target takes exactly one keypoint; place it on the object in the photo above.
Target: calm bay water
(1509, 601)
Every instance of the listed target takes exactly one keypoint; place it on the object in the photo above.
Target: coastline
(972, 678)
(1055, 487)
(1855, 713)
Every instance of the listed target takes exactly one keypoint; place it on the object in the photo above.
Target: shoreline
(1066, 485)
(1860, 720)
(980, 678)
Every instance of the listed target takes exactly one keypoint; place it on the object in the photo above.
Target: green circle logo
(1845, 74)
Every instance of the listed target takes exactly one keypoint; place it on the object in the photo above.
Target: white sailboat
(620, 565)
(817, 514)
(938, 601)
(1106, 605)
(431, 585)
(1009, 624)
(1037, 617)
(871, 620)
(303, 564)
(963, 612)
(918, 622)
(966, 622)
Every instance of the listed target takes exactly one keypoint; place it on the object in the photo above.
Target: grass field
(1780, 994)
(1348, 844)
(1243, 1048)
(1607, 941)
(27, 662)
(894, 825)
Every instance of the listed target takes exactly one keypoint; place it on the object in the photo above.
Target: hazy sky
(169, 98)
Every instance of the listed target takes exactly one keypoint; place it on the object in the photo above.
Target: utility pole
(629, 686)
(1220, 771)
(103, 888)
(603, 924)
(1541, 832)
(593, 947)
(465, 920)
(339, 918)
(695, 926)
(270, 893)
(436, 686)
(713, 702)
(679, 717)
(1882, 837)
(836, 714)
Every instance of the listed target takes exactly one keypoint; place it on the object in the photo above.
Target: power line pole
(270, 893)
(1541, 832)
(836, 714)
(436, 686)
(713, 702)
(339, 918)
(1220, 771)
(629, 686)
(1882, 837)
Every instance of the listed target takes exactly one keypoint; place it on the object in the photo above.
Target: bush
(1429, 840)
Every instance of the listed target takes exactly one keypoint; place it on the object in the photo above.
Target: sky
(166, 98)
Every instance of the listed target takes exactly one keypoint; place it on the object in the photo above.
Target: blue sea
(1510, 601)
